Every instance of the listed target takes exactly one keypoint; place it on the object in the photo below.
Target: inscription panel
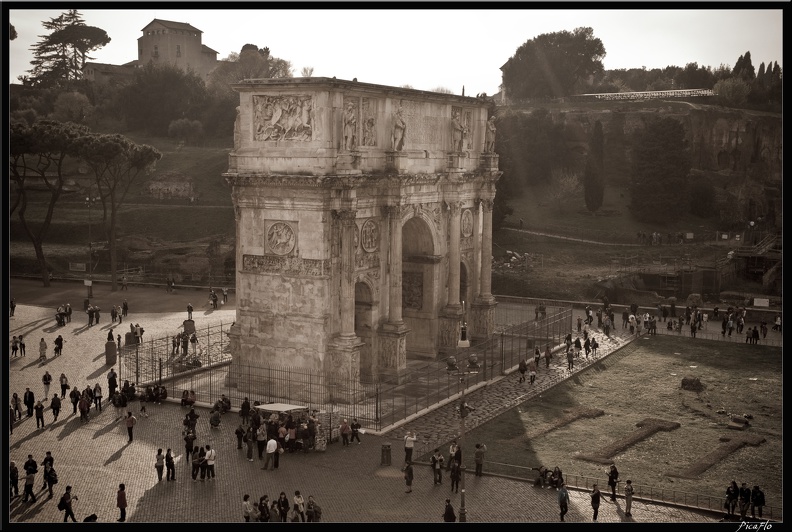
(421, 129)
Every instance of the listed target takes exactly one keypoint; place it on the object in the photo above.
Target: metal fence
(209, 371)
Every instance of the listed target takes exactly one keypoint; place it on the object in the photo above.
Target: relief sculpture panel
(285, 265)
(283, 118)
(412, 290)
(281, 238)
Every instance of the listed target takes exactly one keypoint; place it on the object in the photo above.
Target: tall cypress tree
(593, 176)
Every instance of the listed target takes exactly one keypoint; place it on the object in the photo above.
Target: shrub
(190, 131)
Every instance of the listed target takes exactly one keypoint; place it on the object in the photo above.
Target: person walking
(121, 502)
(211, 456)
(30, 480)
(522, 367)
(196, 463)
(159, 464)
(408, 476)
(64, 384)
(22, 344)
(202, 465)
(65, 504)
(595, 502)
(16, 406)
(345, 431)
(130, 422)
(170, 466)
(628, 496)
(355, 431)
(42, 349)
(613, 480)
(39, 408)
(14, 347)
(449, 516)
(436, 461)
(479, 458)
(532, 370)
(55, 404)
(74, 397)
(548, 355)
(29, 399)
(14, 473)
(409, 445)
(570, 360)
(563, 499)
(189, 311)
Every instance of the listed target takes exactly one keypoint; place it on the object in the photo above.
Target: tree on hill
(744, 68)
(160, 94)
(660, 167)
(694, 76)
(732, 92)
(59, 57)
(563, 186)
(250, 63)
(553, 64)
(117, 164)
(593, 175)
(37, 154)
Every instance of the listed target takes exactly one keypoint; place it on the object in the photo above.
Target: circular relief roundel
(280, 238)
(467, 223)
(370, 235)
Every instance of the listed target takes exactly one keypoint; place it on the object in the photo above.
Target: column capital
(487, 204)
(454, 206)
(344, 214)
(392, 210)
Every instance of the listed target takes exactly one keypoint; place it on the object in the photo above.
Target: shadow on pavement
(117, 455)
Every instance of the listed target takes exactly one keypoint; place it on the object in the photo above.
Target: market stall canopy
(281, 407)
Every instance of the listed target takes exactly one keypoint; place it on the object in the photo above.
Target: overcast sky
(431, 48)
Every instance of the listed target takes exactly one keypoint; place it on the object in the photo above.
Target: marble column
(484, 306)
(392, 359)
(395, 265)
(348, 229)
(451, 317)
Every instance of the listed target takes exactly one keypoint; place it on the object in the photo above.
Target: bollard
(386, 454)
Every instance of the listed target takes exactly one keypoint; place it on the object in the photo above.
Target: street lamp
(454, 370)
(751, 225)
(89, 201)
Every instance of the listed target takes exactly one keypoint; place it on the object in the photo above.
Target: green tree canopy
(660, 167)
(553, 64)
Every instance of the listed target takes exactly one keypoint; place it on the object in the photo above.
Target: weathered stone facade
(360, 230)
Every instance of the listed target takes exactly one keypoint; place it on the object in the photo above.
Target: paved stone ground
(348, 482)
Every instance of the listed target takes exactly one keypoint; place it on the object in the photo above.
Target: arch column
(484, 305)
(451, 318)
(392, 360)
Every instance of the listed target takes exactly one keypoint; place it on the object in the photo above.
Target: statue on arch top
(458, 132)
(489, 136)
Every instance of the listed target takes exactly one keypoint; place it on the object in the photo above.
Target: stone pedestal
(396, 161)
(489, 161)
(450, 329)
(343, 369)
(348, 163)
(234, 335)
(111, 353)
(393, 362)
(483, 319)
(456, 159)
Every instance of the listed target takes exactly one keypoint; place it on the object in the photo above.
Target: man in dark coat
(29, 399)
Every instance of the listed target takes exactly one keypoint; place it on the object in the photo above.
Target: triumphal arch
(363, 224)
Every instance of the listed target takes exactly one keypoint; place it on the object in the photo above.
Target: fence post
(160, 371)
(503, 356)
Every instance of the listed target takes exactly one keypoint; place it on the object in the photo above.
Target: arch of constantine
(363, 225)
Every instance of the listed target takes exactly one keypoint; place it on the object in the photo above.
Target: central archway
(420, 279)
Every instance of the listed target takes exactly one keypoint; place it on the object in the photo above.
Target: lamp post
(751, 225)
(454, 370)
(89, 201)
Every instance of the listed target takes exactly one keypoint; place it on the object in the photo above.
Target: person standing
(189, 311)
(97, 397)
(170, 466)
(244, 411)
(124, 283)
(42, 349)
(282, 504)
(240, 434)
(436, 462)
(355, 431)
(548, 355)
(479, 458)
(22, 344)
(732, 496)
(745, 500)
(449, 516)
(613, 479)
(409, 444)
(408, 476)
(522, 367)
(112, 381)
(14, 489)
(313, 512)
(225, 295)
(452, 449)
(39, 408)
(14, 347)
(271, 448)
(50, 479)
(532, 370)
(595, 502)
(299, 505)
(211, 456)
(75, 397)
(247, 508)
(261, 440)
(130, 422)
(202, 465)
(594, 347)
(46, 380)
(757, 501)
(456, 475)
(29, 399)
(66, 501)
(121, 501)
(124, 309)
(159, 464)
(628, 496)
(13, 307)
(345, 430)
(563, 499)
